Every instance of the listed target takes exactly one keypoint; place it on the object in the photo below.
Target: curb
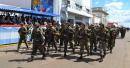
(7, 45)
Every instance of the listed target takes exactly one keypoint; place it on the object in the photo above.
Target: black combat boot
(81, 57)
(31, 59)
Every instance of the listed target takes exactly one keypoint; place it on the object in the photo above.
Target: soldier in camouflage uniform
(65, 33)
(92, 39)
(71, 36)
(108, 37)
(50, 37)
(37, 38)
(117, 31)
(102, 42)
(83, 40)
(123, 32)
(23, 36)
(112, 39)
(76, 39)
(61, 35)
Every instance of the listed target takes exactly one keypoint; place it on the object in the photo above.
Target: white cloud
(117, 14)
(114, 5)
(121, 16)
(114, 10)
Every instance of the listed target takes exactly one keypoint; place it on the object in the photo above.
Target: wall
(71, 16)
(86, 3)
(100, 16)
(18, 3)
(86, 20)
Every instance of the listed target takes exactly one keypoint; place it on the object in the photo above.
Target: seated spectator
(3, 19)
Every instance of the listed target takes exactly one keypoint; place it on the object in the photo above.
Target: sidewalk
(7, 45)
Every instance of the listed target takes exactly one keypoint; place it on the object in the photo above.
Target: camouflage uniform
(102, 42)
(123, 32)
(83, 40)
(65, 38)
(112, 39)
(61, 36)
(92, 39)
(76, 39)
(37, 38)
(71, 37)
(50, 37)
(23, 36)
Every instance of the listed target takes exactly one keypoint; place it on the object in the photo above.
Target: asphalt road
(120, 58)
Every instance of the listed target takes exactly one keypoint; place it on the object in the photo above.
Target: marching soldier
(37, 38)
(23, 36)
(112, 39)
(50, 37)
(92, 39)
(71, 36)
(102, 42)
(83, 41)
(65, 38)
(76, 40)
(61, 36)
(123, 32)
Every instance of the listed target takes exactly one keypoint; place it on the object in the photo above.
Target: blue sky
(119, 10)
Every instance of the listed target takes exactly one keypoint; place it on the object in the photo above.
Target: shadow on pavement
(25, 60)
(18, 60)
(26, 52)
(9, 51)
(54, 55)
(68, 57)
(87, 60)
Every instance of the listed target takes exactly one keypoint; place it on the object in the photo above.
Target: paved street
(120, 58)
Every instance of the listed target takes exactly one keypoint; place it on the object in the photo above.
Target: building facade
(70, 10)
(74, 11)
(99, 15)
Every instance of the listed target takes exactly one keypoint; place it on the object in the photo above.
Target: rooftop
(100, 9)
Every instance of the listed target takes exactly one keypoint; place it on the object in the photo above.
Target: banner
(9, 35)
(43, 5)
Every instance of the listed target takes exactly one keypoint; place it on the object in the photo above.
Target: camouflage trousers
(83, 44)
(111, 45)
(102, 48)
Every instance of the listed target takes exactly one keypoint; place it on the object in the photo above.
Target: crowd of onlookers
(15, 19)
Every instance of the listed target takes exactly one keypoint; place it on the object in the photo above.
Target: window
(79, 7)
(87, 10)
